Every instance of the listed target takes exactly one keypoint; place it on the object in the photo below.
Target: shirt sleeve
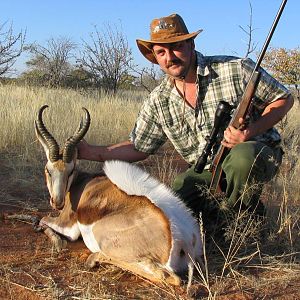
(147, 134)
(268, 90)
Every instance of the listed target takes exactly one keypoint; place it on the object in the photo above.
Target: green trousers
(247, 166)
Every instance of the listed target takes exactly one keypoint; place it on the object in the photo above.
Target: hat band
(159, 37)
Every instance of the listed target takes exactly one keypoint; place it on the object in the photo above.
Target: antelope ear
(41, 139)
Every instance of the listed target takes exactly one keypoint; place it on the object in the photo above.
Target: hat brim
(145, 46)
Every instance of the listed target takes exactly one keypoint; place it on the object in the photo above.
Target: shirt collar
(202, 68)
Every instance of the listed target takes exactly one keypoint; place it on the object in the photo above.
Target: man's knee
(253, 158)
(241, 159)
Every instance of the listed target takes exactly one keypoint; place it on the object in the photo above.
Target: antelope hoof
(57, 242)
(172, 279)
(60, 244)
(92, 261)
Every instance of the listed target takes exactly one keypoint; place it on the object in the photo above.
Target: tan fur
(67, 216)
(131, 231)
(59, 165)
(121, 219)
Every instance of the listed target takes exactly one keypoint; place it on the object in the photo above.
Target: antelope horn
(47, 138)
(72, 141)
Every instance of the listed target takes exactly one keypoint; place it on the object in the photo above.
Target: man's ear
(192, 44)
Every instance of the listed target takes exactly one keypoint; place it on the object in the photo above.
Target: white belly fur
(88, 237)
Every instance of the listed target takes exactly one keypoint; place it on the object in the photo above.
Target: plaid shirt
(163, 115)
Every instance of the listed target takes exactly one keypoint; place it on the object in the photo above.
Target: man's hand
(83, 148)
(271, 115)
(122, 151)
(233, 136)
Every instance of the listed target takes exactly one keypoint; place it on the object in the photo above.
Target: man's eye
(159, 53)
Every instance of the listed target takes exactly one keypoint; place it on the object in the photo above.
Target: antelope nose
(56, 204)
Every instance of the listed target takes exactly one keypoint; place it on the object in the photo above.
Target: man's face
(174, 58)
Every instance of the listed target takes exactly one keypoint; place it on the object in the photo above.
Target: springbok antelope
(125, 216)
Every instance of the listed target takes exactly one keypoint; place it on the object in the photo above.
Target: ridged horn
(46, 136)
(72, 141)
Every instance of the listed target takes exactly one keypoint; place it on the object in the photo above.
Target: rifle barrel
(269, 37)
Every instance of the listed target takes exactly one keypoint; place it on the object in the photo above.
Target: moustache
(173, 63)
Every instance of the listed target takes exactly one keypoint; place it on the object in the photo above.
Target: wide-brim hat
(165, 30)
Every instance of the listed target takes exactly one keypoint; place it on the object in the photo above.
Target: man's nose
(170, 55)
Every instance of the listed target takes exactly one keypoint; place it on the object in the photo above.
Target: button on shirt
(163, 116)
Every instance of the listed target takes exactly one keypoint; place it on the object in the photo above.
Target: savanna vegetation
(251, 266)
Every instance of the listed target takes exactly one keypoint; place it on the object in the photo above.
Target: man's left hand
(234, 136)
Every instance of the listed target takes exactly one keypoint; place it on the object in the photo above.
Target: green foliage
(284, 64)
(33, 77)
(78, 78)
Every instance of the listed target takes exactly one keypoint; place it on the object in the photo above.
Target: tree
(107, 58)
(52, 61)
(148, 77)
(11, 47)
(251, 46)
(33, 77)
(284, 64)
(79, 78)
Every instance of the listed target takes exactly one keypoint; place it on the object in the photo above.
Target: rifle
(242, 111)
(222, 116)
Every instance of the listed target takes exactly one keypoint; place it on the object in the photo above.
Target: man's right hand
(83, 150)
(122, 151)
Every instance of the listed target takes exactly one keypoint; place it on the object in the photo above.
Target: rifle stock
(242, 110)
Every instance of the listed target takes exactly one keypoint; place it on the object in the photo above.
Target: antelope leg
(146, 268)
(57, 242)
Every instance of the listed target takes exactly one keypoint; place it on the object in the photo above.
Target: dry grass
(112, 116)
(249, 268)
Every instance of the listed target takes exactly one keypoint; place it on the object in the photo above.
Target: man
(182, 110)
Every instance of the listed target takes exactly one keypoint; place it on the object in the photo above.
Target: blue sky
(220, 20)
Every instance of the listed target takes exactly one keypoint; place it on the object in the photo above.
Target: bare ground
(31, 269)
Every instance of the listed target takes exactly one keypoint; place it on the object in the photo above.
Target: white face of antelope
(59, 177)
(60, 167)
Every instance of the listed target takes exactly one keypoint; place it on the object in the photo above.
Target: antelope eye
(182, 253)
(47, 172)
